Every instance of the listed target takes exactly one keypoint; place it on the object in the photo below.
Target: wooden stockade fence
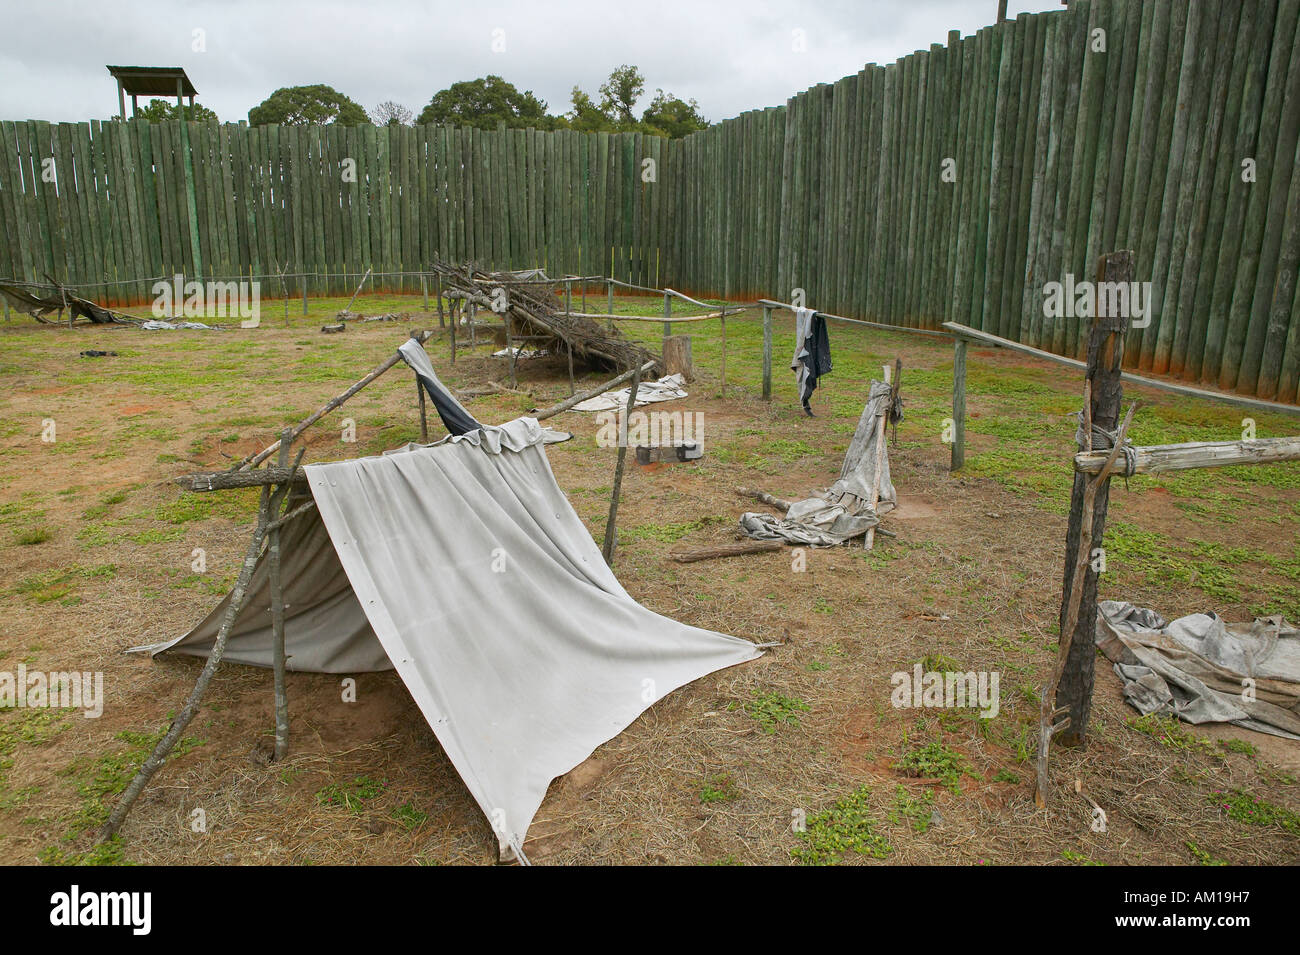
(949, 186)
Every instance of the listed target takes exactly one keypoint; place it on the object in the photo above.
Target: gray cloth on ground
(668, 388)
(463, 565)
(1195, 667)
(843, 511)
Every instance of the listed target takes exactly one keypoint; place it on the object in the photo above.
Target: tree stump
(677, 356)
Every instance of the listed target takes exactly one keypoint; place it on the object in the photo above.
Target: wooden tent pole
(311, 419)
(419, 394)
(191, 707)
(611, 535)
(278, 497)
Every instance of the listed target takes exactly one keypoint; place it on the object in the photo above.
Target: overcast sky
(730, 56)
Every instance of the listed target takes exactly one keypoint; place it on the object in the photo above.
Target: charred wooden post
(1077, 568)
(1105, 366)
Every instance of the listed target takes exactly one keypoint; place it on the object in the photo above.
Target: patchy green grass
(936, 761)
(1168, 731)
(409, 816)
(1201, 856)
(58, 584)
(1241, 806)
(718, 789)
(1078, 858)
(100, 779)
(847, 826)
(917, 812)
(772, 709)
(352, 795)
(1238, 746)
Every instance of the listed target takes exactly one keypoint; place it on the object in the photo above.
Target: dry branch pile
(34, 301)
(536, 313)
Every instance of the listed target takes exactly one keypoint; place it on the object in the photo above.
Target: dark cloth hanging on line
(812, 353)
(455, 416)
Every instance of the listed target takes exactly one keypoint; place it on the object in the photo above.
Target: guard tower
(135, 81)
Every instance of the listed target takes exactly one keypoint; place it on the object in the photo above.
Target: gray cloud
(731, 56)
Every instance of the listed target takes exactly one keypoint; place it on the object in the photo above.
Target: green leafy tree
(586, 116)
(161, 110)
(486, 102)
(619, 93)
(673, 117)
(307, 106)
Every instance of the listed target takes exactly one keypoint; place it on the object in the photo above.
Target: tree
(586, 116)
(389, 113)
(307, 106)
(161, 110)
(673, 117)
(486, 102)
(619, 93)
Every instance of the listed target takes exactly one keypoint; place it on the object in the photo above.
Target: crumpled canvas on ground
(843, 511)
(668, 388)
(1197, 667)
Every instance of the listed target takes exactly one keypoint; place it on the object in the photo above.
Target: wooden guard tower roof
(152, 80)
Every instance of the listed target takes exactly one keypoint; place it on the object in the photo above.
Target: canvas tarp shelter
(463, 565)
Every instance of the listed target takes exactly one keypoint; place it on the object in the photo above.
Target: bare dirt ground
(96, 546)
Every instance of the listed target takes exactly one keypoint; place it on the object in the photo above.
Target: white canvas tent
(463, 565)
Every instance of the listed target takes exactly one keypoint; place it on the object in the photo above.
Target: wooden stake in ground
(1077, 569)
(1105, 365)
(1088, 505)
(610, 532)
(278, 497)
(419, 394)
(869, 540)
(958, 403)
